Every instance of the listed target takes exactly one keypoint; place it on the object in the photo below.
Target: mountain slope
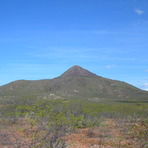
(76, 82)
(78, 71)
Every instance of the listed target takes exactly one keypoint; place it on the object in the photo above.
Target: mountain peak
(78, 71)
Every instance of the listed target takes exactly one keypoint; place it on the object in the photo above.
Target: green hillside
(75, 83)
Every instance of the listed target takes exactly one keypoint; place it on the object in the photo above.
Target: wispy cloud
(110, 66)
(145, 86)
(67, 54)
(146, 70)
(32, 71)
(139, 11)
(30, 68)
(107, 58)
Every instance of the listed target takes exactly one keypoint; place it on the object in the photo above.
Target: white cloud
(145, 86)
(139, 11)
(110, 66)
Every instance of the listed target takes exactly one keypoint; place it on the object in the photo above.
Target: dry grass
(110, 134)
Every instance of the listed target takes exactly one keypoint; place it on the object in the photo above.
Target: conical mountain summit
(78, 71)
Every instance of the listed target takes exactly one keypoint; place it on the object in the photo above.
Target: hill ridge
(76, 82)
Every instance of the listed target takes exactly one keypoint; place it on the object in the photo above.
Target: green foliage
(50, 120)
(115, 109)
(52, 114)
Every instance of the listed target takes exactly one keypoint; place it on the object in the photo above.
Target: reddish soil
(110, 134)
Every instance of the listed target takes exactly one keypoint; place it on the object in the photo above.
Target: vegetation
(77, 109)
(47, 123)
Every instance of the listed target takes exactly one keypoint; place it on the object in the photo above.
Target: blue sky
(40, 39)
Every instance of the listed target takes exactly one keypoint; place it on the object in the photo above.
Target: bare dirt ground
(110, 134)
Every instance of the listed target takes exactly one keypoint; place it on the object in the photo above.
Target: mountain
(75, 83)
(78, 71)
